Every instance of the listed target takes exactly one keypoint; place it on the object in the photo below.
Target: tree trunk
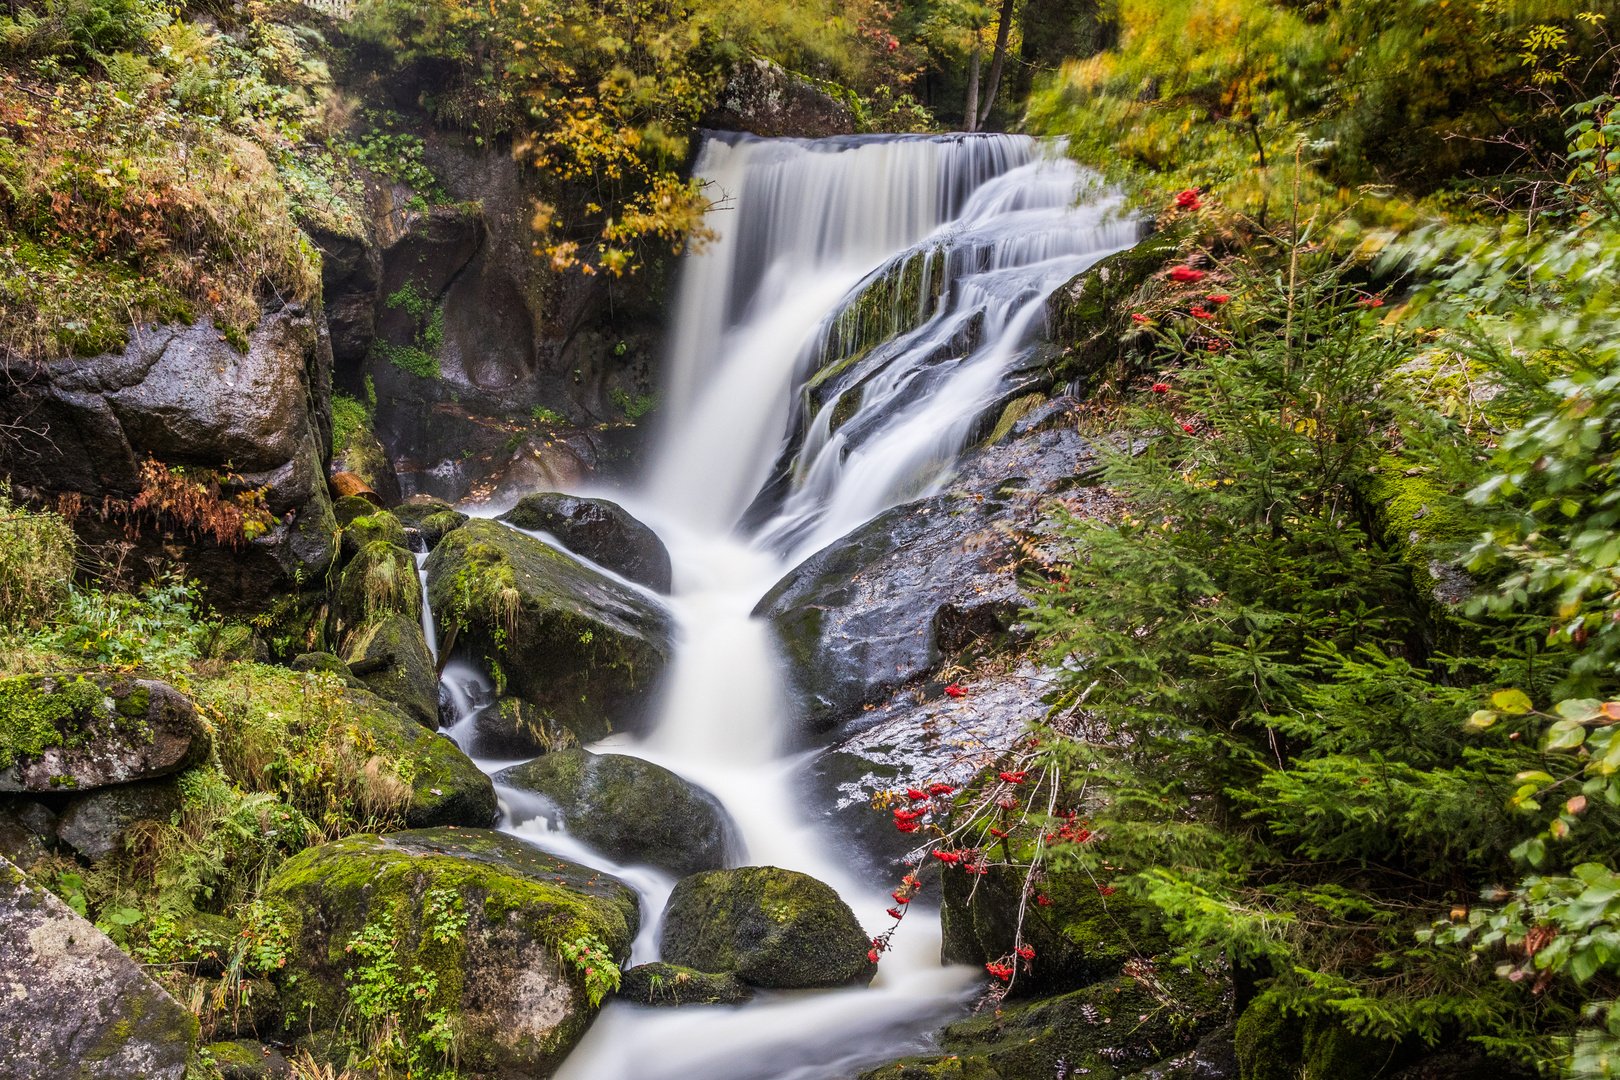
(970, 122)
(995, 65)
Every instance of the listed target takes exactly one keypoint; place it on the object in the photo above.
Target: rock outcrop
(630, 810)
(484, 914)
(79, 732)
(75, 1005)
(771, 928)
(258, 420)
(598, 530)
(762, 98)
(585, 649)
(94, 824)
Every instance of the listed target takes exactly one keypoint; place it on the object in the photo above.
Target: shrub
(37, 553)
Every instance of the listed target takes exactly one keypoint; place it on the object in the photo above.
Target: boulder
(431, 519)
(630, 810)
(585, 649)
(1106, 1031)
(1080, 937)
(327, 663)
(484, 914)
(771, 928)
(379, 525)
(185, 396)
(78, 732)
(27, 831)
(245, 1059)
(666, 984)
(600, 531)
(763, 98)
(381, 580)
(1088, 320)
(76, 1005)
(94, 824)
(351, 507)
(510, 727)
(393, 657)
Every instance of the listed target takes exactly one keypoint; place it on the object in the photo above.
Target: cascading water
(864, 304)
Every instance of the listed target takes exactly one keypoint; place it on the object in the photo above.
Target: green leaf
(1484, 718)
(1512, 702)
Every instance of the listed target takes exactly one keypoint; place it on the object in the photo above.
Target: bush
(37, 552)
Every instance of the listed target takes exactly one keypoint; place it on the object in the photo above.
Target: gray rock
(182, 395)
(772, 928)
(600, 531)
(94, 825)
(77, 1006)
(245, 1059)
(585, 649)
(764, 99)
(510, 727)
(78, 732)
(27, 831)
(396, 665)
(668, 985)
(630, 810)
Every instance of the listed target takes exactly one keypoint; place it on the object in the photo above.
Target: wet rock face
(510, 727)
(599, 530)
(75, 1004)
(396, 665)
(183, 396)
(585, 649)
(669, 985)
(79, 732)
(764, 99)
(485, 913)
(631, 810)
(771, 928)
(882, 607)
(94, 825)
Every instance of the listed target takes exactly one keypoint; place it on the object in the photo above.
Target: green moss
(1015, 411)
(351, 507)
(1089, 318)
(1276, 1043)
(1422, 517)
(378, 526)
(380, 580)
(670, 984)
(39, 712)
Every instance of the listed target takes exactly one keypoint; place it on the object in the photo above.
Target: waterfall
(864, 303)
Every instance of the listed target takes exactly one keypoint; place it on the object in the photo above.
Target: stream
(746, 479)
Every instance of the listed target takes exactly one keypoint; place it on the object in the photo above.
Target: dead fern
(196, 505)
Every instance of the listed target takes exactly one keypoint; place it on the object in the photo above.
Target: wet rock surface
(631, 810)
(510, 727)
(76, 1006)
(79, 732)
(882, 607)
(95, 825)
(395, 664)
(668, 985)
(487, 914)
(585, 649)
(770, 927)
(601, 531)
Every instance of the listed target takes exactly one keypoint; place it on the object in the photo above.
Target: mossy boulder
(1276, 1043)
(1423, 516)
(418, 508)
(480, 915)
(601, 531)
(349, 507)
(392, 656)
(770, 927)
(1106, 1031)
(77, 732)
(381, 580)
(1080, 936)
(630, 810)
(379, 526)
(1089, 318)
(245, 1059)
(431, 519)
(94, 824)
(75, 1005)
(584, 648)
(446, 787)
(329, 664)
(667, 984)
(510, 727)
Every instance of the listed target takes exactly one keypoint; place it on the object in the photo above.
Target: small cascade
(865, 303)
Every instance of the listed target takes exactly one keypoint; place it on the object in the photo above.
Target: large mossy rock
(381, 580)
(585, 649)
(78, 732)
(379, 526)
(771, 928)
(601, 531)
(75, 1005)
(446, 787)
(1276, 1044)
(430, 518)
(484, 914)
(1089, 318)
(1079, 936)
(630, 810)
(1106, 1031)
(666, 984)
(393, 656)
(510, 727)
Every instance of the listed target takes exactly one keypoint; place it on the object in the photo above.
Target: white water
(998, 227)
